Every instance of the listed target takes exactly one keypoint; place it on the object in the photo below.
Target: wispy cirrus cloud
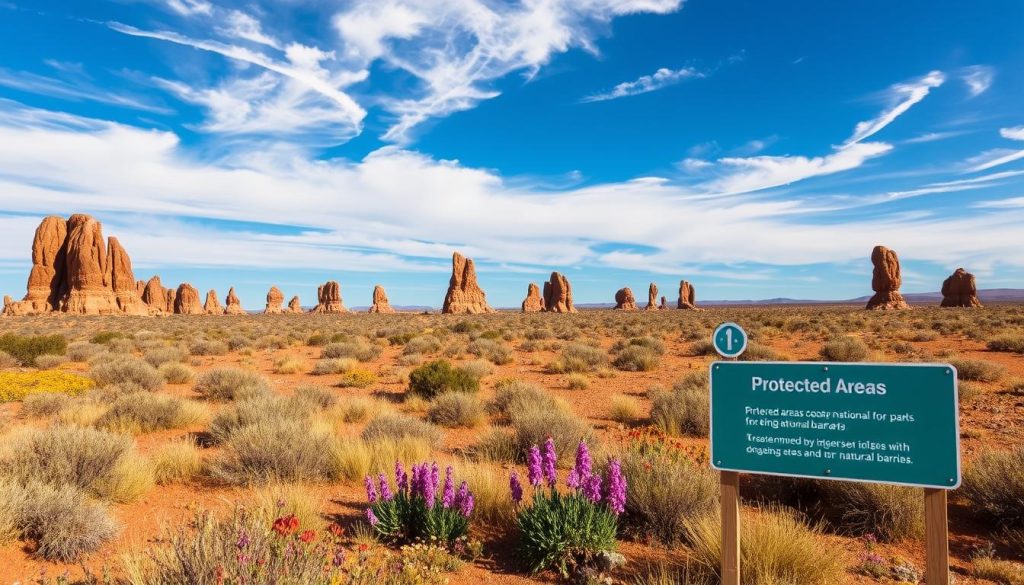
(998, 156)
(76, 88)
(190, 7)
(902, 97)
(978, 78)
(662, 78)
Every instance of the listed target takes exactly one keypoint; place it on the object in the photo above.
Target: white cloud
(190, 7)
(359, 215)
(1009, 203)
(80, 89)
(297, 97)
(240, 25)
(978, 78)
(1014, 133)
(932, 137)
(456, 50)
(661, 78)
(902, 97)
(763, 172)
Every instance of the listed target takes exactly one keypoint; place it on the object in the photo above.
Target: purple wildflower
(416, 484)
(385, 489)
(550, 460)
(401, 477)
(583, 464)
(592, 488)
(515, 487)
(464, 500)
(371, 490)
(534, 472)
(243, 540)
(428, 479)
(448, 496)
(616, 488)
(371, 517)
(573, 479)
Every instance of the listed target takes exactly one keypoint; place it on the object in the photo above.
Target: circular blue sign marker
(730, 340)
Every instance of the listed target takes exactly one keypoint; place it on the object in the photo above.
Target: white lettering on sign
(826, 386)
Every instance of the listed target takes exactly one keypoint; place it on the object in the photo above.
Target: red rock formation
(664, 304)
(558, 294)
(295, 305)
(140, 287)
(171, 300)
(624, 299)
(275, 302)
(122, 280)
(88, 272)
(329, 298)
(652, 298)
(9, 307)
(687, 296)
(380, 301)
(155, 296)
(533, 303)
(960, 290)
(464, 293)
(232, 305)
(186, 300)
(212, 304)
(46, 281)
(886, 281)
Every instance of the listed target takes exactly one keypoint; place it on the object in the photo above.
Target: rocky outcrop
(533, 303)
(652, 298)
(960, 290)
(464, 293)
(212, 305)
(275, 302)
(140, 287)
(186, 300)
(295, 305)
(687, 296)
(155, 296)
(122, 280)
(624, 299)
(664, 304)
(232, 305)
(558, 294)
(9, 307)
(46, 281)
(171, 300)
(886, 281)
(380, 301)
(328, 297)
(75, 271)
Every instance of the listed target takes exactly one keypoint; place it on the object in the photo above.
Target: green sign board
(886, 423)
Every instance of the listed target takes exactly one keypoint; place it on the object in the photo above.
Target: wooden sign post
(878, 423)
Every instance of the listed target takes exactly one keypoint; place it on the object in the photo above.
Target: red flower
(307, 536)
(286, 525)
(336, 530)
(363, 548)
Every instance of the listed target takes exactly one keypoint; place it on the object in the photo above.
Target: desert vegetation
(433, 448)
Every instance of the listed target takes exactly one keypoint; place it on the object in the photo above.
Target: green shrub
(844, 349)
(494, 351)
(438, 377)
(424, 344)
(890, 512)
(418, 510)
(202, 347)
(258, 409)
(977, 370)
(7, 360)
(105, 337)
(456, 409)
(159, 356)
(578, 357)
(497, 444)
(231, 384)
(565, 429)
(45, 404)
(514, 396)
(363, 352)
(394, 426)
(994, 485)
(127, 372)
(686, 410)
(26, 348)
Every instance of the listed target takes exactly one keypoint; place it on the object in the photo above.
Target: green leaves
(561, 532)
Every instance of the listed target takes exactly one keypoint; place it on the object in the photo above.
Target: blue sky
(756, 149)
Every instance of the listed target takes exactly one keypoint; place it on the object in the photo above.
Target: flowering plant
(414, 510)
(567, 531)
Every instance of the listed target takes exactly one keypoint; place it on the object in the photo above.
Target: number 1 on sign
(728, 339)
